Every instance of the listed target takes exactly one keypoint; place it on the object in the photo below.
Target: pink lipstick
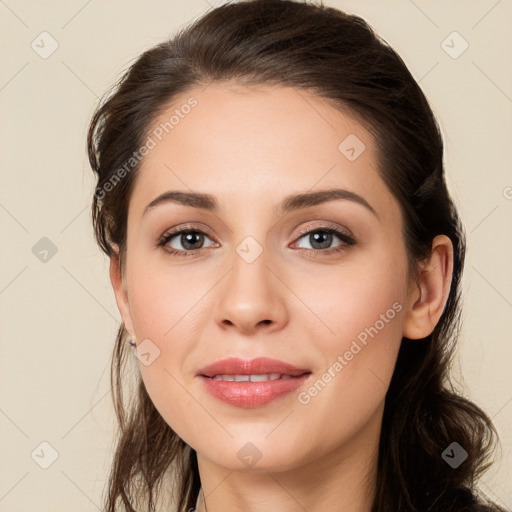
(253, 383)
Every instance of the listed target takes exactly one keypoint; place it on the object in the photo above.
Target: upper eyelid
(325, 225)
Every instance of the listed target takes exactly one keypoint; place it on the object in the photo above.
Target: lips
(250, 384)
(258, 366)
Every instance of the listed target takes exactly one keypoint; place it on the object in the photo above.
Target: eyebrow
(289, 203)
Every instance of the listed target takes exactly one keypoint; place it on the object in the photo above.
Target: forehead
(255, 145)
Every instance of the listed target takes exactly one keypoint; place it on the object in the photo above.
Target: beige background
(59, 317)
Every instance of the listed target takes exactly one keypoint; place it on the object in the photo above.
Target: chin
(253, 456)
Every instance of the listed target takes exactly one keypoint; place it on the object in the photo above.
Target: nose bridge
(251, 243)
(251, 294)
(250, 274)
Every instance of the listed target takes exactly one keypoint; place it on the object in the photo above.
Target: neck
(343, 479)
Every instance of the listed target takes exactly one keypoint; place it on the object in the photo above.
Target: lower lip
(252, 394)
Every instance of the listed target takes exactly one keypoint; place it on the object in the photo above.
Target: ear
(427, 299)
(120, 291)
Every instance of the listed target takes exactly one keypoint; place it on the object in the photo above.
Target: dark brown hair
(339, 58)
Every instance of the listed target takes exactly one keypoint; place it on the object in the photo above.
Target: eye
(189, 240)
(321, 238)
(183, 242)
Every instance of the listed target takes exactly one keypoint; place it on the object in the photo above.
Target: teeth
(260, 378)
(252, 378)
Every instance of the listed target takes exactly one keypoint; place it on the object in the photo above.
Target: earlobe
(427, 299)
(120, 292)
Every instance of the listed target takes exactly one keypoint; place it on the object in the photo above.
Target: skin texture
(251, 147)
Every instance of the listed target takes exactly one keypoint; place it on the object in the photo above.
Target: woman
(274, 375)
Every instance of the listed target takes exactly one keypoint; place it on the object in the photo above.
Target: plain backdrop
(58, 314)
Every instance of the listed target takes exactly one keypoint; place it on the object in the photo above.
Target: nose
(252, 297)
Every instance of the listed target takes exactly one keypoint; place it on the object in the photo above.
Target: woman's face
(259, 275)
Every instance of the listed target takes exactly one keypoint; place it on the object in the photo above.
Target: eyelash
(347, 241)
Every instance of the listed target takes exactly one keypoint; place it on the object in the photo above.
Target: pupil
(188, 239)
(319, 235)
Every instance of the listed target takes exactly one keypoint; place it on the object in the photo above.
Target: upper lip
(258, 366)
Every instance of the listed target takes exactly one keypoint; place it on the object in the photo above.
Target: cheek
(170, 397)
(164, 308)
(345, 300)
(162, 296)
(361, 307)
